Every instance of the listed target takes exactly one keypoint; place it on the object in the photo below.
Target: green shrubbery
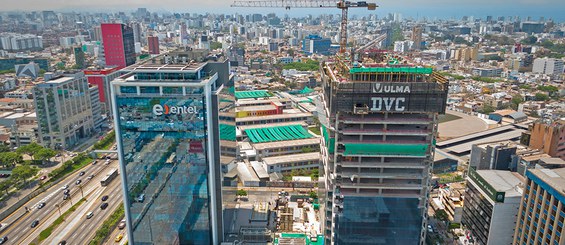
(47, 232)
(309, 65)
(108, 226)
(105, 143)
(69, 166)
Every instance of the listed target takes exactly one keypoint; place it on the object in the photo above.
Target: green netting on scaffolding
(385, 149)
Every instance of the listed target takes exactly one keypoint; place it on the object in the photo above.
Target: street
(17, 226)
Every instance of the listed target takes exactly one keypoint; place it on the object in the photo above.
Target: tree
(6, 185)
(215, 45)
(23, 172)
(487, 109)
(313, 195)
(45, 154)
(4, 148)
(541, 97)
(441, 215)
(30, 149)
(529, 40)
(10, 158)
(241, 192)
(291, 52)
(516, 100)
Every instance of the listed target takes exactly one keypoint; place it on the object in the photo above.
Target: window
(128, 90)
(149, 90)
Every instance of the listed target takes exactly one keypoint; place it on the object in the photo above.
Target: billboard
(391, 96)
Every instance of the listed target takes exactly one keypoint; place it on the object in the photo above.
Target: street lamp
(81, 193)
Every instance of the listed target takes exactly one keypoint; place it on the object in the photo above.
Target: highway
(18, 224)
(78, 229)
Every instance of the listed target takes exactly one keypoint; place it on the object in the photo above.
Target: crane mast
(287, 4)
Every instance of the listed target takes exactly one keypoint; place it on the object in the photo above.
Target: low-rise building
(492, 200)
(452, 199)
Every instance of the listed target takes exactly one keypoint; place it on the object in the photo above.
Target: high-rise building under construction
(379, 129)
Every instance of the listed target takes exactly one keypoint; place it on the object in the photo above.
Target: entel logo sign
(159, 110)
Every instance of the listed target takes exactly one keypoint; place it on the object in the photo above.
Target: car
(66, 192)
(107, 162)
(89, 215)
(119, 237)
(78, 182)
(90, 177)
(104, 198)
(94, 162)
(104, 205)
(41, 205)
(34, 223)
(4, 239)
(66, 196)
(430, 229)
(58, 155)
(81, 173)
(141, 198)
(122, 224)
(65, 187)
(74, 155)
(43, 177)
(63, 242)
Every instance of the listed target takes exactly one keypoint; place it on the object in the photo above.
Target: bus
(109, 177)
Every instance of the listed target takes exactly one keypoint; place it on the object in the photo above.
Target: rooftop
(303, 157)
(503, 181)
(288, 143)
(252, 94)
(279, 133)
(57, 80)
(555, 178)
(276, 116)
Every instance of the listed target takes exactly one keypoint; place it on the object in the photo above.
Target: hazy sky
(430, 8)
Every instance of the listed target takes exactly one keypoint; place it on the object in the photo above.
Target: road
(19, 230)
(114, 234)
(79, 229)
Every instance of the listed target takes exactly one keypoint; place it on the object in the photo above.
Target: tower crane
(287, 4)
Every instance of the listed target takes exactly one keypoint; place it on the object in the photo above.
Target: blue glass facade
(164, 154)
(378, 220)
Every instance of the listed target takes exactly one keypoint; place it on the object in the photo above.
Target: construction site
(379, 128)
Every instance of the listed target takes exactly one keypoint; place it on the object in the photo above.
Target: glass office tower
(168, 143)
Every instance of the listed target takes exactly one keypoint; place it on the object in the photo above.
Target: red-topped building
(102, 79)
(119, 47)
(153, 43)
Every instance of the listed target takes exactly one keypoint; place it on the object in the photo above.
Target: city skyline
(432, 9)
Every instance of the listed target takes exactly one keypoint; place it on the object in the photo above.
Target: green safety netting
(330, 142)
(306, 90)
(417, 70)
(227, 132)
(252, 94)
(385, 149)
(280, 133)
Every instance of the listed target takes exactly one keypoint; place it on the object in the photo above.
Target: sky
(414, 8)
